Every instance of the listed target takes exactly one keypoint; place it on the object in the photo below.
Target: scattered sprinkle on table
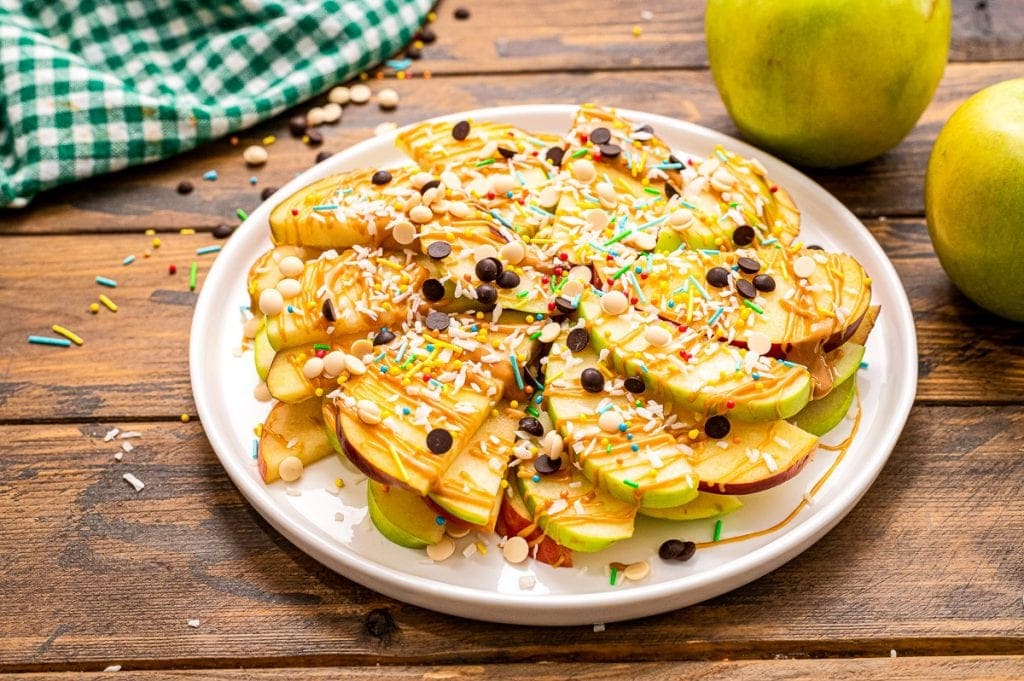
(105, 281)
(108, 303)
(206, 250)
(67, 333)
(598, 628)
(193, 271)
(47, 340)
(134, 482)
(172, 269)
(185, 418)
(194, 624)
(128, 260)
(210, 175)
(94, 308)
(242, 215)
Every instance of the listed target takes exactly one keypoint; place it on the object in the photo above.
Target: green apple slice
(693, 372)
(754, 457)
(572, 511)
(262, 352)
(291, 430)
(514, 519)
(402, 516)
(704, 505)
(640, 466)
(821, 416)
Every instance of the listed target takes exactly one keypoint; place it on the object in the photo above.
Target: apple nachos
(546, 337)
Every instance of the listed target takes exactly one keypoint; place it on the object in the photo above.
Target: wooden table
(929, 566)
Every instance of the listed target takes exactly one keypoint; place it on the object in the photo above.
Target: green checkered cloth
(92, 86)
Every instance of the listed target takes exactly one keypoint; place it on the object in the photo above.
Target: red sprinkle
(682, 328)
(596, 156)
(558, 271)
(545, 280)
(490, 196)
(171, 269)
(295, 211)
(729, 404)
(633, 300)
(773, 189)
(321, 353)
(551, 306)
(685, 355)
(563, 256)
(643, 275)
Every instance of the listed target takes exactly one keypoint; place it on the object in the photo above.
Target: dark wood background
(930, 564)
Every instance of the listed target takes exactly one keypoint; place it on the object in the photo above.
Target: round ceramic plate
(335, 530)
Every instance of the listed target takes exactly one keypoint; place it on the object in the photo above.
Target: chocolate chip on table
(383, 337)
(381, 177)
(437, 321)
(330, 314)
(717, 277)
(488, 269)
(717, 427)
(676, 549)
(438, 250)
(507, 279)
(297, 125)
(413, 52)
(635, 385)
(314, 138)
(460, 130)
(531, 425)
(439, 441)
(185, 187)
(427, 35)
(267, 193)
(746, 289)
(743, 235)
(748, 265)
(600, 136)
(592, 380)
(578, 340)
(486, 294)
(564, 305)
(555, 156)
(545, 465)
(764, 282)
(222, 231)
(322, 156)
(461, 13)
(433, 290)
(611, 150)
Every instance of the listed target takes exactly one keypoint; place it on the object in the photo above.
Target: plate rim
(554, 609)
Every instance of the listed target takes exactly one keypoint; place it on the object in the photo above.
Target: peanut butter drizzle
(841, 448)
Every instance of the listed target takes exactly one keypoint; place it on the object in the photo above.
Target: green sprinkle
(523, 294)
(485, 162)
(630, 483)
(618, 237)
(622, 271)
(193, 271)
(652, 190)
(321, 346)
(718, 530)
(242, 215)
(614, 576)
(535, 335)
(580, 152)
(532, 412)
(753, 306)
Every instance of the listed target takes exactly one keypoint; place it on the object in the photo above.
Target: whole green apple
(974, 198)
(827, 83)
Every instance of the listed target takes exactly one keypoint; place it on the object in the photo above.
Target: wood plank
(134, 363)
(927, 564)
(968, 668)
(145, 197)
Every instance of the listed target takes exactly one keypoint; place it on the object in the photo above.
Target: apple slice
(292, 430)
(262, 352)
(266, 272)
(402, 516)
(515, 520)
(821, 416)
(756, 456)
(704, 505)
(695, 373)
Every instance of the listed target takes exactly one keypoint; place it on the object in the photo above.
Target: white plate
(485, 586)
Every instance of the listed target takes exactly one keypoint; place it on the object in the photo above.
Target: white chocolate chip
(387, 99)
(644, 241)
(681, 217)
(362, 347)
(804, 266)
(289, 287)
(610, 421)
(723, 180)
(385, 128)
(581, 273)
(271, 302)
(313, 367)
(552, 445)
(442, 550)
(657, 335)
(606, 193)
(451, 180)
(255, 155)
(262, 393)
(513, 252)
(291, 266)
(332, 112)
(354, 365)
(572, 288)
(403, 232)
(359, 94)
(456, 531)
(550, 332)
(368, 412)
(334, 362)
(614, 303)
(583, 170)
(637, 571)
(759, 343)
(314, 117)
(515, 550)
(420, 179)
(597, 218)
(421, 214)
(339, 95)
(502, 184)
(290, 468)
(484, 251)
(549, 197)
(460, 209)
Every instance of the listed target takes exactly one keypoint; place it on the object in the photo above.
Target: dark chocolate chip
(437, 321)
(610, 150)
(506, 153)
(461, 13)
(267, 192)
(600, 136)
(330, 314)
(635, 385)
(322, 156)
(383, 337)
(717, 277)
(314, 138)
(743, 235)
(675, 160)
(488, 269)
(460, 130)
(564, 305)
(427, 35)
(439, 441)
(555, 156)
(486, 294)
(507, 279)
(670, 191)
(433, 290)
(746, 289)
(381, 177)
(222, 231)
(643, 133)
(439, 250)
(676, 549)
(748, 265)
(297, 125)
(185, 187)
(545, 465)
(592, 380)
(578, 340)
(717, 427)
(814, 247)
(427, 186)
(531, 426)
(764, 282)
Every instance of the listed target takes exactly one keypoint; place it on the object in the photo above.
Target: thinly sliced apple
(821, 416)
(265, 272)
(402, 516)
(704, 505)
(292, 430)
(863, 330)
(693, 372)
(262, 352)
(515, 520)
(756, 457)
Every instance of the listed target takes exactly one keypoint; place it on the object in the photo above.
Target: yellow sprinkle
(481, 548)
(431, 16)
(185, 418)
(150, 232)
(637, 31)
(110, 304)
(400, 75)
(94, 308)
(147, 253)
(694, 434)
(156, 242)
(186, 230)
(339, 483)
(269, 139)
(514, 404)
(494, 412)
(259, 429)
(533, 449)
(389, 263)
(71, 336)
(418, 44)
(319, 392)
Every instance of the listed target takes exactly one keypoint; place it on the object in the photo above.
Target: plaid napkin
(92, 86)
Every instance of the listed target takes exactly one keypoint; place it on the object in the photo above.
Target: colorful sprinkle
(515, 370)
(46, 340)
(718, 530)
(193, 271)
(206, 250)
(108, 303)
(210, 175)
(128, 260)
(104, 281)
(242, 215)
(67, 333)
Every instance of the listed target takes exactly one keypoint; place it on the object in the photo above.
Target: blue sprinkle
(46, 340)
(383, 370)
(129, 260)
(622, 427)
(536, 478)
(398, 64)
(629, 436)
(863, 365)
(439, 520)
(635, 448)
(474, 328)
(210, 175)
(255, 448)
(430, 347)
(406, 411)
(253, 180)
(756, 376)
(206, 250)
(671, 303)
(104, 281)
(291, 309)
